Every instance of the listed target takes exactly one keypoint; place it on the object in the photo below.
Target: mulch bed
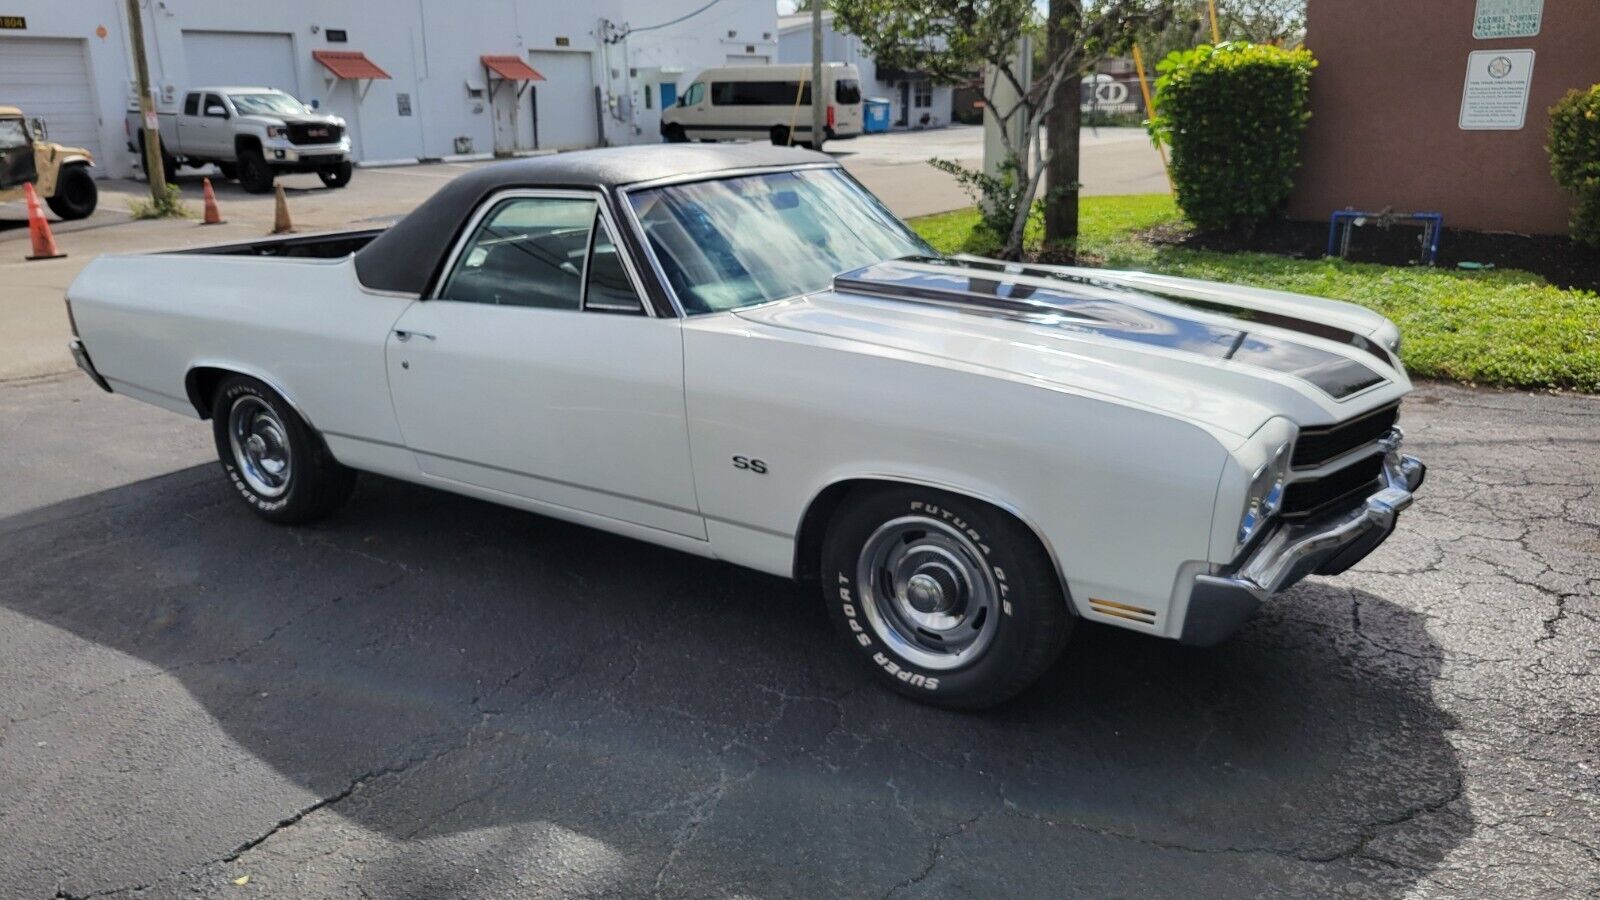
(1560, 261)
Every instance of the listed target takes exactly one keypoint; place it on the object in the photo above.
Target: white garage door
(566, 116)
(49, 78)
(245, 59)
(748, 59)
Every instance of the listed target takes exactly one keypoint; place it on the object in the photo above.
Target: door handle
(405, 335)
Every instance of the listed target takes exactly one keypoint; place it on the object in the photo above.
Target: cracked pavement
(428, 696)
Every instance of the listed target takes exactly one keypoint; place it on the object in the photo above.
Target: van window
(191, 105)
(847, 91)
(694, 94)
(759, 93)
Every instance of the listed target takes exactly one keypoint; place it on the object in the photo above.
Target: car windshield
(741, 241)
(12, 134)
(267, 104)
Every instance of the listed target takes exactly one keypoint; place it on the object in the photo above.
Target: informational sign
(1507, 19)
(18, 23)
(1496, 93)
(402, 104)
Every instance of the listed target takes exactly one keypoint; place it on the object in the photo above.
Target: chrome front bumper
(1326, 545)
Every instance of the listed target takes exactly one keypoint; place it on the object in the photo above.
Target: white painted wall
(674, 53)
(109, 71)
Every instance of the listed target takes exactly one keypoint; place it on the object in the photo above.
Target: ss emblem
(758, 466)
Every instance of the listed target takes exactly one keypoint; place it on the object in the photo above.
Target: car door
(190, 127)
(535, 369)
(215, 135)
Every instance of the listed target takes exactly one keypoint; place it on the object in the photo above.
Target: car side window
(191, 104)
(528, 251)
(609, 288)
(214, 100)
(695, 94)
(13, 134)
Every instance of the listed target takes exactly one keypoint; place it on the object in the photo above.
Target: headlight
(1266, 493)
(277, 131)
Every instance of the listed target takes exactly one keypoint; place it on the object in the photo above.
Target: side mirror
(680, 102)
(36, 127)
(217, 111)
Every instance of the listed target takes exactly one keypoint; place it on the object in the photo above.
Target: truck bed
(327, 245)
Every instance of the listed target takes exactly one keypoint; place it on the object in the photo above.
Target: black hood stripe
(959, 285)
(1275, 320)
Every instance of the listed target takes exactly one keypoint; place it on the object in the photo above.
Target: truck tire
(76, 194)
(276, 463)
(169, 166)
(336, 176)
(255, 176)
(949, 600)
(229, 170)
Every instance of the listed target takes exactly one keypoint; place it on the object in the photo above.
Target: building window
(923, 93)
(647, 93)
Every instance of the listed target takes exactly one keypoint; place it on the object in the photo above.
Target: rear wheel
(255, 175)
(278, 465)
(75, 195)
(336, 176)
(950, 600)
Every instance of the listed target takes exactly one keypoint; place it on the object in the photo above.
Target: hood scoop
(1084, 306)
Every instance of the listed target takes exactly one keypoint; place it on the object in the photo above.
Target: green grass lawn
(1499, 327)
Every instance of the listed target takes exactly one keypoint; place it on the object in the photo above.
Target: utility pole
(1061, 129)
(154, 170)
(818, 102)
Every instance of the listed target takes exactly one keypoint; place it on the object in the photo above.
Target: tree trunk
(1062, 124)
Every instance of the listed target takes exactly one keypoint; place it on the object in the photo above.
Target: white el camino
(737, 351)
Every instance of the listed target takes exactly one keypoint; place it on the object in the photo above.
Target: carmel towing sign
(1507, 19)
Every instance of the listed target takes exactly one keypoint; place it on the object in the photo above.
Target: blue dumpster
(875, 115)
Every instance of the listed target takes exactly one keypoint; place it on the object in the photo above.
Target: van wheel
(780, 136)
(255, 175)
(277, 464)
(950, 600)
(676, 135)
(76, 194)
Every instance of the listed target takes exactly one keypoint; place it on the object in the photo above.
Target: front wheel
(278, 465)
(255, 176)
(75, 195)
(950, 600)
(336, 176)
(675, 134)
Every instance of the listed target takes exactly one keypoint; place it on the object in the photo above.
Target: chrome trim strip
(80, 355)
(547, 480)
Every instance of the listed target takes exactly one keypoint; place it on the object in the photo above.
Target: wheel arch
(201, 380)
(819, 512)
(245, 142)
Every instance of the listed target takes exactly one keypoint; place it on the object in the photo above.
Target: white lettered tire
(948, 599)
(274, 461)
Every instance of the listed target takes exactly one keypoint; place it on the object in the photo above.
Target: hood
(1226, 357)
(294, 119)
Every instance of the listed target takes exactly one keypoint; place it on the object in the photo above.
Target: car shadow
(433, 666)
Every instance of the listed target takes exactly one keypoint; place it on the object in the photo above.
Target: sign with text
(18, 23)
(1495, 96)
(1507, 19)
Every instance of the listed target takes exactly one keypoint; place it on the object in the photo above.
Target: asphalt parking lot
(428, 696)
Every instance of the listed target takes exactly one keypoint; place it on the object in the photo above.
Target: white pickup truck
(736, 351)
(250, 133)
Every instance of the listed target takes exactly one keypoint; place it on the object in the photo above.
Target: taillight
(830, 115)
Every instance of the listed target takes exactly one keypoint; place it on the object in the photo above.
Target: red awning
(351, 65)
(511, 68)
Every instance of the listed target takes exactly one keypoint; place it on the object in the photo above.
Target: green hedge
(1233, 115)
(1575, 158)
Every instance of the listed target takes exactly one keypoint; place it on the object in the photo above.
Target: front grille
(1306, 498)
(314, 133)
(1316, 446)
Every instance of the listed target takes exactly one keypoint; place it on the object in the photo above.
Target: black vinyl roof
(405, 257)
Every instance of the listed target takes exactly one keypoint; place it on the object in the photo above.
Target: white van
(741, 103)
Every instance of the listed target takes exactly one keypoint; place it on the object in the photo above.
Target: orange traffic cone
(44, 243)
(213, 215)
(280, 215)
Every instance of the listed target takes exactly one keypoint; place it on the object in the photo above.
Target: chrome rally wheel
(927, 593)
(260, 445)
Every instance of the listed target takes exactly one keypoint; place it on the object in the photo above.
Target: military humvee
(59, 174)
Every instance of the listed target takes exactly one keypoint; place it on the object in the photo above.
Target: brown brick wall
(1385, 103)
